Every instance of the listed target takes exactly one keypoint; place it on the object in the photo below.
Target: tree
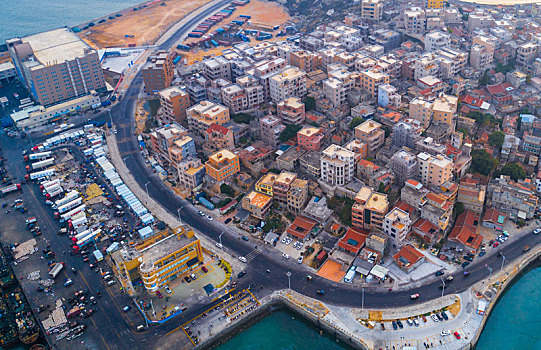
(496, 139)
(227, 190)
(242, 118)
(381, 188)
(485, 79)
(529, 79)
(309, 103)
(289, 132)
(464, 131)
(458, 209)
(355, 122)
(514, 170)
(482, 162)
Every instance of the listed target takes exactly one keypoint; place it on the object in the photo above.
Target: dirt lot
(146, 25)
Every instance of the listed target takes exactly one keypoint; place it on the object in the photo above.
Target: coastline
(499, 2)
(533, 260)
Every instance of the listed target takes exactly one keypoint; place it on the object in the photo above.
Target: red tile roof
(218, 128)
(425, 227)
(405, 207)
(468, 218)
(465, 236)
(407, 256)
(491, 215)
(353, 240)
(301, 227)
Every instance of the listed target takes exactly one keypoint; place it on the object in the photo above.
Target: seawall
(533, 259)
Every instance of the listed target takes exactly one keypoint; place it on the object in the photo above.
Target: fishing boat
(8, 328)
(26, 323)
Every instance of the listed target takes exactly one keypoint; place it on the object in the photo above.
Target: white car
(201, 213)
(289, 240)
(167, 289)
(219, 245)
(299, 260)
(209, 217)
(299, 246)
(243, 259)
(445, 333)
(285, 255)
(434, 318)
(284, 240)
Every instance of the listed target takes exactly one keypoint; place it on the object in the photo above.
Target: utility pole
(362, 299)
(443, 284)
(178, 212)
(489, 270)
(146, 187)
(220, 238)
(288, 274)
(503, 261)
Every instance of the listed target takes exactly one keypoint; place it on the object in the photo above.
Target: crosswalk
(252, 254)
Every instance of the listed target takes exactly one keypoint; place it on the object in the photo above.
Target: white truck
(37, 156)
(40, 174)
(9, 189)
(67, 198)
(68, 206)
(55, 270)
(40, 165)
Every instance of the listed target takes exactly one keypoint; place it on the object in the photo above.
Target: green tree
(482, 162)
(242, 118)
(496, 139)
(227, 190)
(485, 78)
(309, 103)
(464, 131)
(514, 170)
(289, 132)
(355, 122)
(529, 79)
(381, 187)
(458, 209)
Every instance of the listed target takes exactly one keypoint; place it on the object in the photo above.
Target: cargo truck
(37, 156)
(68, 206)
(10, 188)
(67, 198)
(70, 214)
(54, 193)
(39, 165)
(40, 174)
(55, 270)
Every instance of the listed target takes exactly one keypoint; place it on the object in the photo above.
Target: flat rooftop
(56, 46)
(164, 247)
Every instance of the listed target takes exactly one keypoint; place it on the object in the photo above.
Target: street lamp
(362, 299)
(503, 261)
(220, 238)
(124, 159)
(178, 212)
(443, 284)
(288, 274)
(111, 118)
(146, 187)
(489, 270)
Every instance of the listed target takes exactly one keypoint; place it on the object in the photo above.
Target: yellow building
(371, 79)
(160, 259)
(434, 170)
(371, 9)
(444, 110)
(222, 165)
(297, 195)
(421, 110)
(264, 185)
(434, 4)
(258, 204)
(204, 114)
(369, 209)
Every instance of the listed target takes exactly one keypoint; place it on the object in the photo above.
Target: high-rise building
(404, 166)
(204, 114)
(371, 10)
(337, 165)
(291, 82)
(397, 225)
(56, 65)
(372, 133)
(369, 209)
(434, 170)
(158, 73)
(174, 102)
(310, 138)
(221, 165)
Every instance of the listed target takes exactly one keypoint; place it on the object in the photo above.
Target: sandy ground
(145, 25)
(267, 13)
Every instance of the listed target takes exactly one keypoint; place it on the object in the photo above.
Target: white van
(111, 282)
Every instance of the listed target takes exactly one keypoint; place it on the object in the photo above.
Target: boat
(6, 274)
(8, 328)
(27, 326)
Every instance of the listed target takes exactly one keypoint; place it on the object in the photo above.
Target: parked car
(245, 238)
(241, 274)
(167, 289)
(439, 273)
(537, 231)
(434, 318)
(158, 294)
(68, 282)
(219, 245)
(126, 308)
(187, 279)
(444, 315)
(243, 259)
(526, 248)
(286, 256)
(410, 322)
(395, 327)
(400, 325)
(205, 270)
(445, 333)
(299, 260)
(227, 221)
(457, 335)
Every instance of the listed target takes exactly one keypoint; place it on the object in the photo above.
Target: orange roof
(413, 182)
(407, 256)
(218, 128)
(468, 218)
(368, 164)
(465, 236)
(301, 227)
(405, 207)
(435, 198)
(353, 240)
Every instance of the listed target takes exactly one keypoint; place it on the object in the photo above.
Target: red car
(457, 335)
(205, 270)
(159, 294)
(495, 244)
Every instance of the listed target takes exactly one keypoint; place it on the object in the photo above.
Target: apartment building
(183, 148)
(437, 40)
(388, 96)
(421, 111)
(216, 67)
(160, 259)
(258, 204)
(371, 10)
(204, 114)
(159, 71)
(310, 138)
(271, 128)
(291, 111)
(291, 82)
(221, 165)
(371, 79)
(219, 137)
(305, 61)
(479, 20)
(397, 225)
(415, 21)
(190, 173)
(174, 102)
(297, 195)
(471, 193)
(436, 170)
(163, 139)
(369, 209)
(517, 199)
(337, 165)
(404, 166)
(444, 110)
(282, 185)
(335, 91)
(265, 70)
(426, 66)
(434, 4)
(372, 133)
(254, 92)
(264, 185)
(406, 133)
(233, 96)
(451, 62)
(482, 51)
(56, 66)
(437, 210)
(526, 53)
